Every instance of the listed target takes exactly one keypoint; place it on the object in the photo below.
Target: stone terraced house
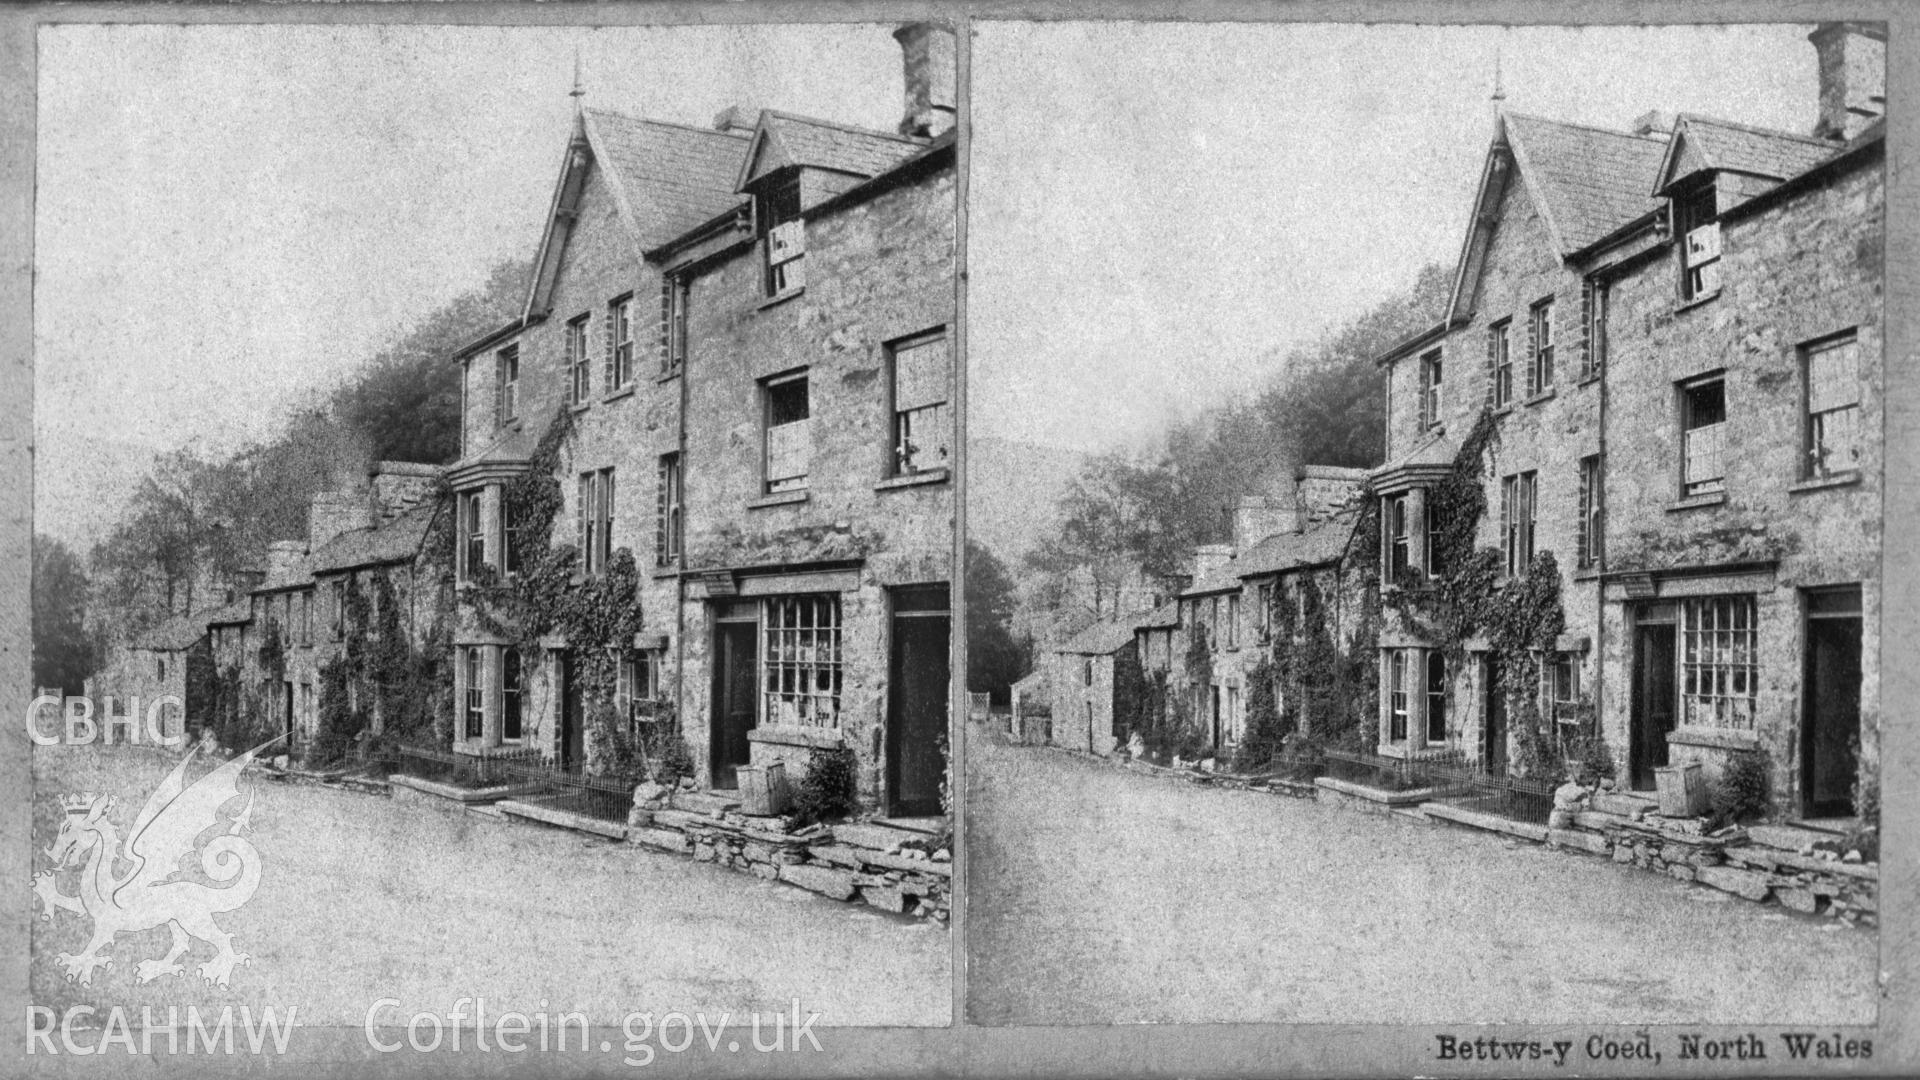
(369, 540)
(1661, 366)
(1644, 438)
(736, 360)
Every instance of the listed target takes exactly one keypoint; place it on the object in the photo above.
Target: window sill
(624, 392)
(666, 570)
(1695, 502)
(796, 735)
(669, 375)
(1589, 378)
(1502, 410)
(776, 301)
(1719, 738)
(1703, 298)
(1545, 395)
(579, 407)
(783, 498)
(512, 424)
(1586, 573)
(928, 476)
(1845, 479)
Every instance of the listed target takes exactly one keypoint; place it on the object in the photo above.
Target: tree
(64, 653)
(406, 399)
(995, 658)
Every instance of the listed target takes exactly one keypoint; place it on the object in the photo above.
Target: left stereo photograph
(494, 521)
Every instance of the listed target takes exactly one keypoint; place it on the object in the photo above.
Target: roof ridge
(839, 126)
(1585, 127)
(695, 128)
(1753, 129)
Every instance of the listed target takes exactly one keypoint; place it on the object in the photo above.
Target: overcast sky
(1155, 206)
(230, 217)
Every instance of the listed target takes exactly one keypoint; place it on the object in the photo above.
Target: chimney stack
(1853, 77)
(1653, 122)
(399, 486)
(283, 558)
(332, 513)
(1256, 517)
(736, 118)
(1210, 557)
(927, 52)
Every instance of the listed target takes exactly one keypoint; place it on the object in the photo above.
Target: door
(1654, 702)
(286, 716)
(917, 702)
(1493, 738)
(572, 748)
(1830, 726)
(734, 637)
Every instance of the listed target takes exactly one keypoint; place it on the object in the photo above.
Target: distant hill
(1013, 493)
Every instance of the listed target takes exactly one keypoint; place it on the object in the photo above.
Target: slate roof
(1323, 543)
(239, 611)
(1164, 617)
(1740, 148)
(392, 542)
(676, 177)
(176, 634)
(821, 144)
(1593, 181)
(1436, 451)
(1100, 639)
(1217, 579)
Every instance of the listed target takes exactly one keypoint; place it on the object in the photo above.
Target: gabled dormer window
(786, 238)
(1696, 232)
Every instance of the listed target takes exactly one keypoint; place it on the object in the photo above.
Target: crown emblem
(77, 804)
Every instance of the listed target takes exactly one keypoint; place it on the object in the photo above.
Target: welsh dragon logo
(153, 892)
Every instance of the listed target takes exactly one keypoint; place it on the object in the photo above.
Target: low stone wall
(870, 863)
(1759, 863)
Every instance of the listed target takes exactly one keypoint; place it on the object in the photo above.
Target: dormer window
(1696, 231)
(786, 246)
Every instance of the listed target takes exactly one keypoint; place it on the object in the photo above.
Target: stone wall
(891, 869)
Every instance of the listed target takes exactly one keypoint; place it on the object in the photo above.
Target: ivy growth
(596, 615)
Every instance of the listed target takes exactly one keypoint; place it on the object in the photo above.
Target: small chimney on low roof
(1653, 122)
(739, 119)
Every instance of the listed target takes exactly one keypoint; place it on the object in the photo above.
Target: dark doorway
(1654, 701)
(1493, 746)
(1830, 726)
(573, 718)
(917, 702)
(287, 718)
(735, 630)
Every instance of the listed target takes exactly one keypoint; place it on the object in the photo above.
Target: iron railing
(1454, 779)
(607, 798)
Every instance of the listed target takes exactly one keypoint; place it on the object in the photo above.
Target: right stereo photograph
(1424, 516)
